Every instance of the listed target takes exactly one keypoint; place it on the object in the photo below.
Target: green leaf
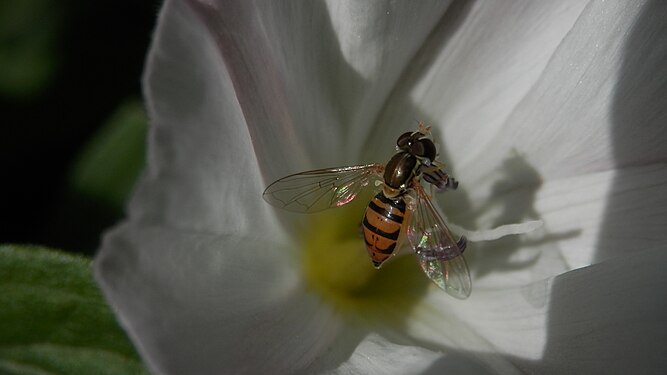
(109, 165)
(54, 319)
(28, 54)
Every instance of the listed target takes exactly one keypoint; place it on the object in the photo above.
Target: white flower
(543, 110)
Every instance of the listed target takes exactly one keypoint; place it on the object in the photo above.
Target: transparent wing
(438, 253)
(320, 189)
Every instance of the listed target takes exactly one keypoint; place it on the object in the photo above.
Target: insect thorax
(400, 170)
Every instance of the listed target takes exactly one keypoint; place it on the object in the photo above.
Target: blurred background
(73, 125)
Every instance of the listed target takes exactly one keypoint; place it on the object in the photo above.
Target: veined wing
(439, 254)
(317, 190)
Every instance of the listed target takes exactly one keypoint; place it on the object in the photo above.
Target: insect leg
(436, 176)
(462, 243)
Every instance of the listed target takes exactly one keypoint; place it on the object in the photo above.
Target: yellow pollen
(336, 266)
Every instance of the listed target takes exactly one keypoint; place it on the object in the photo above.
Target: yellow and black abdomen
(382, 225)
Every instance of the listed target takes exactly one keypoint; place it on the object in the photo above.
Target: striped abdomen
(382, 225)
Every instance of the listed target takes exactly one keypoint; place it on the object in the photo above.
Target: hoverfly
(401, 209)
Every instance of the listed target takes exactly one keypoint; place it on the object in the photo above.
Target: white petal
(588, 219)
(369, 47)
(553, 156)
(599, 319)
(615, 214)
(609, 318)
(295, 84)
(202, 173)
(563, 84)
(577, 118)
(373, 354)
(379, 51)
(479, 63)
(198, 304)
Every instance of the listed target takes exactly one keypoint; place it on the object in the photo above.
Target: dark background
(93, 54)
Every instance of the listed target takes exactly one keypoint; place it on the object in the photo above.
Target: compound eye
(404, 140)
(417, 148)
(427, 149)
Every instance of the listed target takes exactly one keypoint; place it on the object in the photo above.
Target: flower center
(337, 267)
